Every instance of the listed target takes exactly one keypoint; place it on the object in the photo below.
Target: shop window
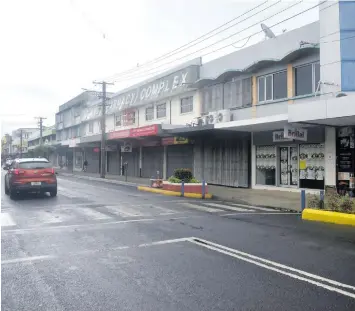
(186, 105)
(311, 166)
(91, 127)
(272, 87)
(161, 111)
(149, 113)
(266, 165)
(307, 78)
(118, 120)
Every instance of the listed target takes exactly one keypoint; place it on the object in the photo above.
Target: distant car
(30, 175)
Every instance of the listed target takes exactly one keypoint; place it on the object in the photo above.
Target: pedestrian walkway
(288, 200)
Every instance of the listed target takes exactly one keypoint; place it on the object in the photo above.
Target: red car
(30, 175)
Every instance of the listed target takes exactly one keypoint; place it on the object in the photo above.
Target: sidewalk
(268, 198)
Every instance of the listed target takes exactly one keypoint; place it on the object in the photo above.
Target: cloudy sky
(51, 49)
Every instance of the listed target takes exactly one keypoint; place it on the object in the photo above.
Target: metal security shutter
(132, 158)
(152, 161)
(179, 156)
(93, 159)
(227, 163)
(113, 162)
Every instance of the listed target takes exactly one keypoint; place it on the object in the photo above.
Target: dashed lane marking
(255, 207)
(201, 208)
(91, 213)
(6, 220)
(232, 208)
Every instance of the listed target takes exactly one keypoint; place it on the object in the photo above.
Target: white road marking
(6, 220)
(48, 217)
(123, 211)
(164, 242)
(166, 211)
(269, 263)
(91, 213)
(201, 208)
(255, 207)
(26, 259)
(232, 208)
(260, 213)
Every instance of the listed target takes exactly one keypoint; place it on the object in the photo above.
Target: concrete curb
(174, 193)
(328, 216)
(109, 181)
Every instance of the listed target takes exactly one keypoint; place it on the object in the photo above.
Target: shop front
(289, 158)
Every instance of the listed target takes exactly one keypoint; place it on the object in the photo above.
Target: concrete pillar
(165, 161)
(253, 162)
(140, 160)
(330, 157)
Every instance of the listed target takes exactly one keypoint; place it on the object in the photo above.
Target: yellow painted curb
(174, 193)
(328, 216)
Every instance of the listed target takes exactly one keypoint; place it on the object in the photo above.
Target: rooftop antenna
(267, 31)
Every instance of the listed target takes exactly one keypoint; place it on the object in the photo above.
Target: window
(161, 111)
(118, 120)
(34, 165)
(149, 113)
(186, 105)
(91, 127)
(237, 93)
(266, 165)
(273, 86)
(307, 78)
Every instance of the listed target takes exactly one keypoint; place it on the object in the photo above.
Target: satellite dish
(267, 31)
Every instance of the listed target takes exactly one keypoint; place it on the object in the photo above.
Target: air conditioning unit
(211, 118)
(223, 116)
(126, 147)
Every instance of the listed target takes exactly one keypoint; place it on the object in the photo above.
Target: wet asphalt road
(100, 246)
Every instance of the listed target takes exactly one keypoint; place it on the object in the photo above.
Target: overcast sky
(51, 49)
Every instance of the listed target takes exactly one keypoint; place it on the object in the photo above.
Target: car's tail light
(16, 171)
(50, 171)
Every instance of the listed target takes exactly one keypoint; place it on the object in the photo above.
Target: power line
(189, 44)
(221, 40)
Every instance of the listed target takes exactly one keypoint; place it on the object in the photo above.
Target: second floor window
(187, 104)
(91, 127)
(161, 111)
(307, 78)
(149, 113)
(272, 86)
(118, 120)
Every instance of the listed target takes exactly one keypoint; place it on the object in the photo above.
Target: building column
(140, 160)
(330, 157)
(165, 161)
(253, 162)
(254, 93)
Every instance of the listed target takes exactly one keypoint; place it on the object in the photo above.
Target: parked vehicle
(30, 175)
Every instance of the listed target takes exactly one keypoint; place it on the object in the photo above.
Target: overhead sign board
(278, 137)
(149, 130)
(295, 133)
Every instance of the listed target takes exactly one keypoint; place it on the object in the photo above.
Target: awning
(332, 111)
(255, 125)
(190, 131)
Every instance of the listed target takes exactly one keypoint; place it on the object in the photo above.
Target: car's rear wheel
(6, 189)
(13, 194)
(53, 193)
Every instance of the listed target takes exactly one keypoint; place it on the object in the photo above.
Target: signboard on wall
(295, 133)
(278, 137)
(174, 141)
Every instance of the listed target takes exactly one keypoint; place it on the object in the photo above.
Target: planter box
(188, 188)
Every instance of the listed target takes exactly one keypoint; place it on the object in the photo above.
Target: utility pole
(103, 128)
(40, 123)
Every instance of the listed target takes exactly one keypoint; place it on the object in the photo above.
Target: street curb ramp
(174, 193)
(329, 217)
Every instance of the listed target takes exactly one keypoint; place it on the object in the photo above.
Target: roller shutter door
(152, 161)
(179, 156)
(132, 158)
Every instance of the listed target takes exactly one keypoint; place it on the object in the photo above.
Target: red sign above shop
(96, 149)
(149, 130)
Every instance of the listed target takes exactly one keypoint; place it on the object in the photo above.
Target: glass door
(288, 166)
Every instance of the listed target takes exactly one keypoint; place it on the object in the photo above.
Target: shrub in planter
(184, 174)
(194, 181)
(174, 180)
(346, 204)
(313, 201)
